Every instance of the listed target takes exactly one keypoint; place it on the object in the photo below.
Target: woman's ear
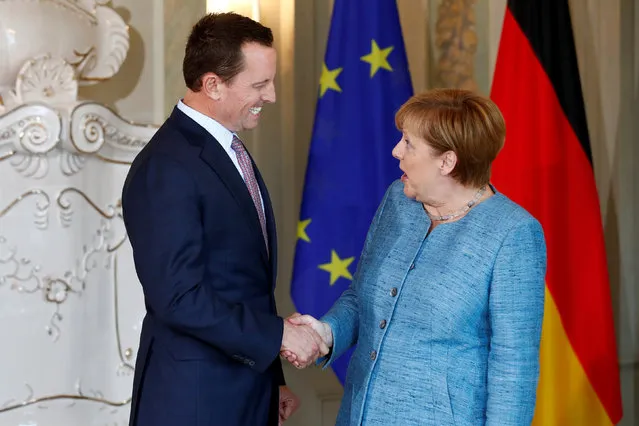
(449, 161)
(212, 86)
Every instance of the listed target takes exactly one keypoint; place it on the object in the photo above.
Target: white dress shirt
(223, 135)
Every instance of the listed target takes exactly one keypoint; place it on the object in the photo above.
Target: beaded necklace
(460, 212)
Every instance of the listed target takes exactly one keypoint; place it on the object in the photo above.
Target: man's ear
(449, 161)
(212, 86)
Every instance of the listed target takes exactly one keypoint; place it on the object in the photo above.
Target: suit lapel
(214, 155)
(270, 221)
(218, 160)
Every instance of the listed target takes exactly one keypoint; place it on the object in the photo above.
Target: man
(201, 225)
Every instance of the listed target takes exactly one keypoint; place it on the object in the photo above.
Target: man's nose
(269, 95)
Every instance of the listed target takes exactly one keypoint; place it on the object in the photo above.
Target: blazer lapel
(270, 221)
(214, 155)
(218, 160)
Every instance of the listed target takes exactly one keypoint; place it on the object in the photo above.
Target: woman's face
(421, 166)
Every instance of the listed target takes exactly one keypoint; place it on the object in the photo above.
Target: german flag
(546, 167)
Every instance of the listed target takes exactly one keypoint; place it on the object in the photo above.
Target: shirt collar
(223, 135)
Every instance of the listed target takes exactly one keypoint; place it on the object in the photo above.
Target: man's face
(243, 96)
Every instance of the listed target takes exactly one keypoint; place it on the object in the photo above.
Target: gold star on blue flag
(364, 81)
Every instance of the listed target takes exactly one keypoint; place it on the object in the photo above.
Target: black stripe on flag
(548, 27)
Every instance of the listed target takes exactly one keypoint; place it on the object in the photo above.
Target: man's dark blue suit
(211, 337)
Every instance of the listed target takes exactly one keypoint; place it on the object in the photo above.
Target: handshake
(305, 339)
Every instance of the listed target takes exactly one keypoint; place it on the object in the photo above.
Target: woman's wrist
(327, 334)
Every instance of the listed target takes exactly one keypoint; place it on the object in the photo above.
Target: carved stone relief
(70, 304)
(456, 42)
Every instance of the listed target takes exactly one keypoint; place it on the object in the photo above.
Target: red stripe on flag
(543, 168)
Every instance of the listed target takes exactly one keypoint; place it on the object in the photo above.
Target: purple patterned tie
(251, 183)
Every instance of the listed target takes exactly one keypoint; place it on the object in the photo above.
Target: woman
(447, 304)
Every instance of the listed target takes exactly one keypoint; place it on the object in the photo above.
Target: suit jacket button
(393, 292)
(412, 266)
(382, 324)
(373, 355)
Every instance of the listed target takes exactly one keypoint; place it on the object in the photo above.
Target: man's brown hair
(215, 45)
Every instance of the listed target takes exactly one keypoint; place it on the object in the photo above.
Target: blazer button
(412, 266)
(382, 324)
(373, 355)
(393, 292)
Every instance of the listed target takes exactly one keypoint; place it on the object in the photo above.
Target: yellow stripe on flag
(564, 395)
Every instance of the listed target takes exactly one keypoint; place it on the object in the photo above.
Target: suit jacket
(447, 325)
(211, 336)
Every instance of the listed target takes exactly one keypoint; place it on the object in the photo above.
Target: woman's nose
(396, 151)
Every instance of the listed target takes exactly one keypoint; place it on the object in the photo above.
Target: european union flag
(365, 79)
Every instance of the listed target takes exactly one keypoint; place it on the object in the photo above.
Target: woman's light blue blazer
(447, 326)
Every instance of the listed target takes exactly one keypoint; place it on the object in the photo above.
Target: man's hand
(289, 403)
(323, 330)
(304, 342)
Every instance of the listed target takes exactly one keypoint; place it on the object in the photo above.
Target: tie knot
(237, 145)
